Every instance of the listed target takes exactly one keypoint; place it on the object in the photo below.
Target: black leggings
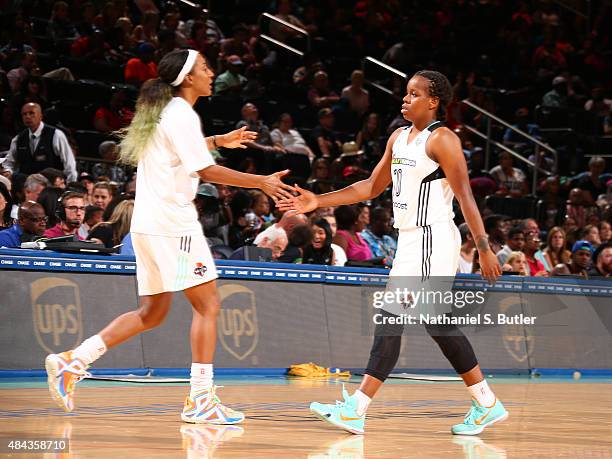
(388, 341)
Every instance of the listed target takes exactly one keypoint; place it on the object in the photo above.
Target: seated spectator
(48, 199)
(300, 237)
(510, 180)
(264, 144)
(348, 237)
(556, 98)
(605, 232)
(368, 138)
(242, 231)
(575, 208)
(288, 139)
(60, 27)
(237, 45)
(88, 181)
(31, 224)
(555, 251)
(532, 245)
(287, 222)
(261, 208)
(320, 181)
(93, 47)
(580, 262)
(108, 151)
(112, 232)
(598, 104)
(602, 261)
(142, 68)
(114, 117)
(232, 81)
(213, 221)
(320, 94)
(349, 166)
(71, 213)
(320, 252)
(33, 186)
(275, 240)
(357, 96)
(93, 216)
(6, 205)
(55, 176)
(339, 253)
(281, 32)
(102, 194)
(552, 205)
(378, 238)
(516, 263)
(33, 90)
(146, 31)
(27, 66)
(514, 243)
(496, 227)
(594, 181)
(323, 136)
(466, 254)
(590, 233)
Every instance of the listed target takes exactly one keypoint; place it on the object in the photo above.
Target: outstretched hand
(305, 202)
(237, 138)
(274, 187)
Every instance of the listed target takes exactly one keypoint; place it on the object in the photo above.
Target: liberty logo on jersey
(404, 162)
(56, 313)
(238, 330)
(200, 270)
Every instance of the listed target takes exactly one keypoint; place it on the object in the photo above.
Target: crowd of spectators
(70, 72)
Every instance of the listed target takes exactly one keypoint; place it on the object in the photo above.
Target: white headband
(191, 58)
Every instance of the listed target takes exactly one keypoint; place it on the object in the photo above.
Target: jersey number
(398, 181)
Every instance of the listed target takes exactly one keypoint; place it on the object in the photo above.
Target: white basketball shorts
(427, 251)
(171, 264)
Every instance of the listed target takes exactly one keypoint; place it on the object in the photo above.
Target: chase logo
(56, 313)
(404, 162)
(237, 330)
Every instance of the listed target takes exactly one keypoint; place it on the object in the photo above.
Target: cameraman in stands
(71, 214)
(30, 226)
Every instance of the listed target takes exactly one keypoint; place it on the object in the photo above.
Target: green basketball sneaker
(342, 414)
(480, 417)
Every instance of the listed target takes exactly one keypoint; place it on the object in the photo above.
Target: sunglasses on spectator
(75, 208)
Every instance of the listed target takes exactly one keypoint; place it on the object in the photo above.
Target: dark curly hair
(439, 87)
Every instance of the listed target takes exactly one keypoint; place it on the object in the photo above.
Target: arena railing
(490, 117)
(277, 42)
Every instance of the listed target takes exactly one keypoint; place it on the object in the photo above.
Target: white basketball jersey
(421, 193)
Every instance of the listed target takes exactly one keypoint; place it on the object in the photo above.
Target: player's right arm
(360, 191)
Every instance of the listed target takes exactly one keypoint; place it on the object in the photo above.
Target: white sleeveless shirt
(421, 193)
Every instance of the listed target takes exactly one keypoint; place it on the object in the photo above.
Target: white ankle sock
(363, 401)
(201, 377)
(90, 350)
(482, 393)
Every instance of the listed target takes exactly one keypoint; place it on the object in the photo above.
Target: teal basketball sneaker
(342, 414)
(480, 417)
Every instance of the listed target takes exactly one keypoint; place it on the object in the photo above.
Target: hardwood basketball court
(548, 417)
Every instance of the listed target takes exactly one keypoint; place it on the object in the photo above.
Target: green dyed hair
(153, 98)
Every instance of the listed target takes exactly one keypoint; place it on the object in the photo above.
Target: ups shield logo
(238, 331)
(518, 339)
(56, 313)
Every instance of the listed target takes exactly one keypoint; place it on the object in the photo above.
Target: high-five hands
(306, 201)
(273, 186)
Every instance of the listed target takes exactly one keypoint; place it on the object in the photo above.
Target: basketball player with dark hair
(166, 143)
(427, 167)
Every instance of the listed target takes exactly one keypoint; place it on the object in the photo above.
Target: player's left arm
(444, 147)
(238, 138)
